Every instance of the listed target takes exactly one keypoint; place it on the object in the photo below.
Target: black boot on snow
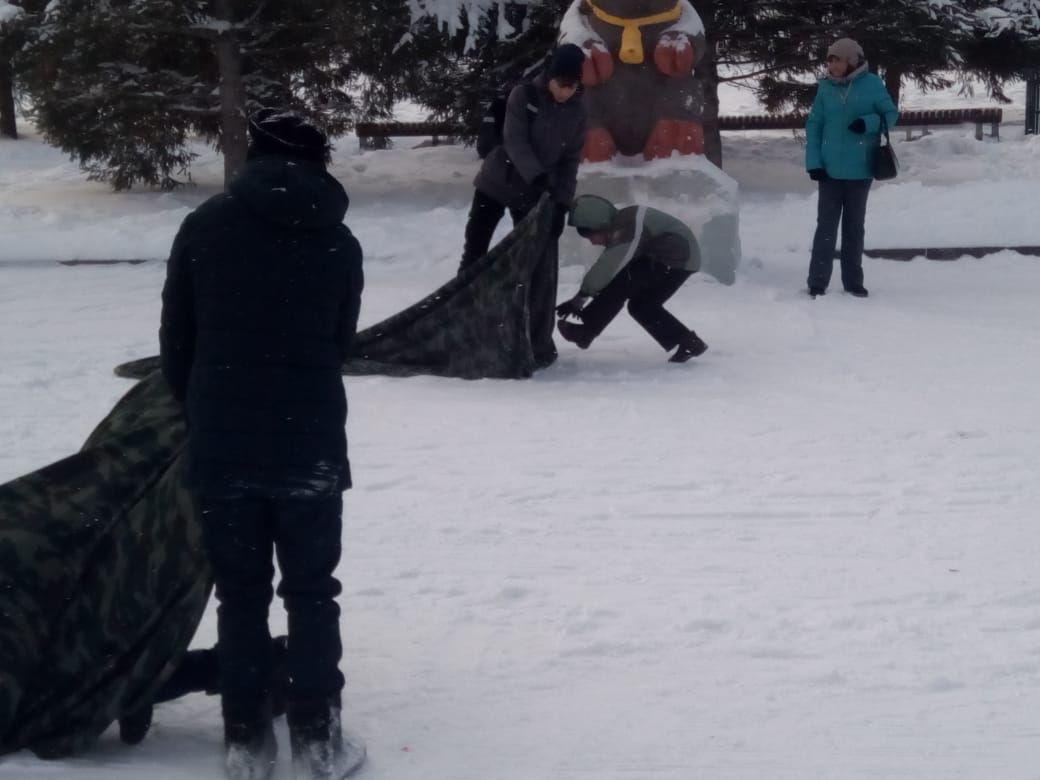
(250, 750)
(133, 728)
(691, 347)
(320, 748)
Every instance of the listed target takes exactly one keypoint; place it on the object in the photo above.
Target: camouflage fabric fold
(103, 579)
(476, 326)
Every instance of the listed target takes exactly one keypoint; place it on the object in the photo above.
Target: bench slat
(917, 118)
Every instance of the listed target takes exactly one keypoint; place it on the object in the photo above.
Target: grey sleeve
(567, 171)
(606, 268)
(516, 136)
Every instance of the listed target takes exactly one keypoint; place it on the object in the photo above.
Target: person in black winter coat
(260, 306)
(542, 138)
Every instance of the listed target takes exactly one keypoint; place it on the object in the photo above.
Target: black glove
(818, 174)
(858, 126)
(559, 220)
(571, 308)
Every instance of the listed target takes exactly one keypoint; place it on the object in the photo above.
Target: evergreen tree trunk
(8, 127)
(708, 75)
(893, 82)
(233, 123)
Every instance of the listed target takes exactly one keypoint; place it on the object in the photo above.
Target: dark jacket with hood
(543, 139)
(260, 307)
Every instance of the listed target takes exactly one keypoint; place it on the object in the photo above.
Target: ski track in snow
(810, 553)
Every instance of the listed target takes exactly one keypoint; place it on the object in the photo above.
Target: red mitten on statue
(674, 135)
(599, 145)
(674, 55)
(598, 67)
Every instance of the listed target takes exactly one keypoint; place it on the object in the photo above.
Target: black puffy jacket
(260, 306)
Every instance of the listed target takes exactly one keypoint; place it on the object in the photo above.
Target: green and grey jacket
(633, 232)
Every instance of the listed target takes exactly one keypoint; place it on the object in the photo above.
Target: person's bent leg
(198, 672)
(602, 310)
(647, 306)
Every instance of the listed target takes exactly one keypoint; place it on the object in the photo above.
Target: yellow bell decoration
(631, 36)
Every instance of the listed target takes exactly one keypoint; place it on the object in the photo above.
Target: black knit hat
(285, 133)
(566, 63)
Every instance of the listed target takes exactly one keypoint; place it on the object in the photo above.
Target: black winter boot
(199, 673)
(320, 748)
(133, 728)
(250, 748)
(690, 347)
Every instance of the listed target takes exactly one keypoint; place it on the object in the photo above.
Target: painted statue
(641, 95)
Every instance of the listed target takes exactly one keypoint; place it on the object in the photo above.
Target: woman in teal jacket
(842, 136)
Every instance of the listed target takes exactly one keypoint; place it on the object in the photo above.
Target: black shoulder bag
(886, 165)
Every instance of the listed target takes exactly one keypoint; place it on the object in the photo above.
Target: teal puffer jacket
(830, 144)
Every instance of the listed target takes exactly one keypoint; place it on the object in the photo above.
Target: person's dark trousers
(242, 535)
(646, 285)
(543, 306)
(198, 672)
(844, 201)
(484, 215)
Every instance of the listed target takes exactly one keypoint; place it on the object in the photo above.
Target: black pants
(484, 216)
(844, 201)
(198, 672)
(645, 284)
(242, 535)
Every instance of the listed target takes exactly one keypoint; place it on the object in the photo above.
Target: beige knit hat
(848, 50)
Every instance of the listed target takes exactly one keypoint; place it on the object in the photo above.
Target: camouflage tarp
(476, 326)
(103, 579)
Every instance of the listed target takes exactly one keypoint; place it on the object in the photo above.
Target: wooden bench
(375, 135)
(907, 120)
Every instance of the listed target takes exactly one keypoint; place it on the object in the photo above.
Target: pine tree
(905, 40)
(1005, 45)
(13, 25)
(509, 43)
(122, 85)
(774, 46)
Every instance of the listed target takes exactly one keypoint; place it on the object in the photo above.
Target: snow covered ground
(810, 553)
